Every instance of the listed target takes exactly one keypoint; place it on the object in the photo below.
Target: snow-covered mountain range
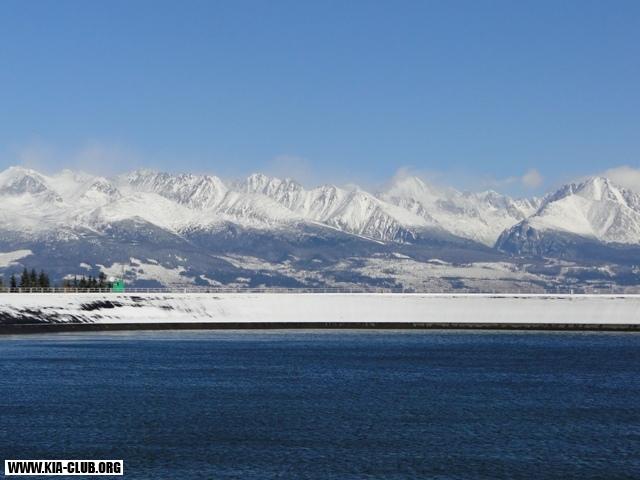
(594, 209)
(184, 228)
(185, 201)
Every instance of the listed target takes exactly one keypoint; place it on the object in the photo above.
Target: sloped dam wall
(317, 310)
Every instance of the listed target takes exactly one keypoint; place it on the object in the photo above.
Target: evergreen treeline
(88, 282)
(32, 279)
(28, 279)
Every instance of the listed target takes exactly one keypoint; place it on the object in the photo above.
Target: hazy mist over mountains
(170, 229)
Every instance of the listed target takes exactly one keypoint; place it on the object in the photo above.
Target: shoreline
(35, 328)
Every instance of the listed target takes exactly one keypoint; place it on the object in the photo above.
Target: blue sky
(471, 93)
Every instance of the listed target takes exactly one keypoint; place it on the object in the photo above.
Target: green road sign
(118, 286)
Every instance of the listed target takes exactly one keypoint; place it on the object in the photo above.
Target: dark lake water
(327, 405)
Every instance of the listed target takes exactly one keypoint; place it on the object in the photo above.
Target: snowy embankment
(301, 308)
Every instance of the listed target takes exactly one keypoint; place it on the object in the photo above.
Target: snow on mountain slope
(39, 203)
(595, 208)
(191, 225)
(16, 181)
(150, 207)
(149, 270)
(251, 210)
(83, 190)
(476, 216)
(8, 258)
(194, 191)
(29, 204)
(34, 203)
(349, 210)
(100, 190)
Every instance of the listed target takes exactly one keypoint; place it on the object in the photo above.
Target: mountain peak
(601, 188)
(19, 170)
(194, 191)
(270, 186)
(593, 208)
(595, 188)
(407, 186)
(18, 180)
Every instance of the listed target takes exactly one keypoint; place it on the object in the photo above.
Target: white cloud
(94, 157)
(105, 159)
(430, 177)
(531, 179)
(36, 156)
(311, 174)
(473, 182)
(291, 166)
(625, 176)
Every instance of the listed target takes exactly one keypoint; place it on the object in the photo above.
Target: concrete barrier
(315, 309)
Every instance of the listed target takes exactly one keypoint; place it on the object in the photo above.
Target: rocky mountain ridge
(264, 230)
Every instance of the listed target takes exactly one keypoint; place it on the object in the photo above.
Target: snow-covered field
(9, 258)
(319, 307)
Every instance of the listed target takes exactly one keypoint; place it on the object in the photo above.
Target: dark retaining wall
(100, 327)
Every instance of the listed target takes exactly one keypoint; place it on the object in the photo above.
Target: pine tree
(82, 283)
(43, 280)
(25, 281)
(33, 278)
(13, 283)
(102, 280)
